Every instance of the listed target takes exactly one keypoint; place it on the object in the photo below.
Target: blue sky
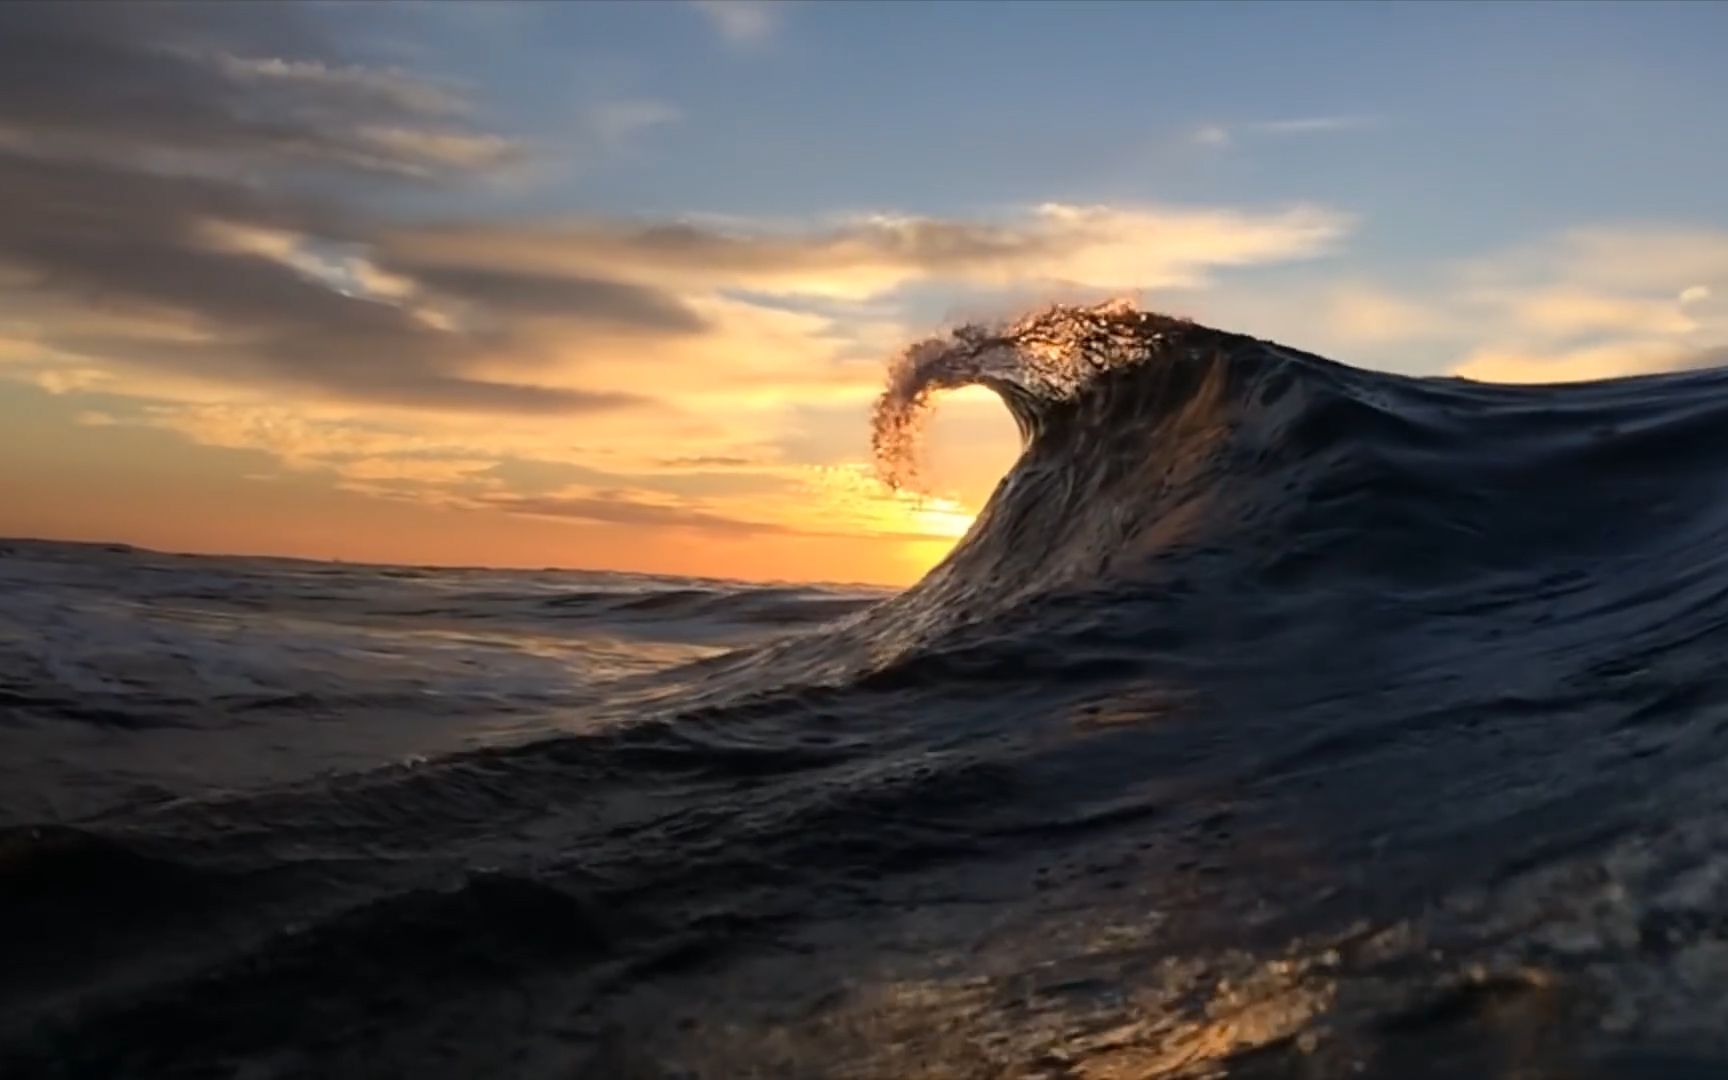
(1475, 119)
(613, 284)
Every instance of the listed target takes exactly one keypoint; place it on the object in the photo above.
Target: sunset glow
(486, 283)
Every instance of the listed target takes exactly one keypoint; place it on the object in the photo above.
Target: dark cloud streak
(612, 302)
(928, 246)
(208, 85)
(617, 508)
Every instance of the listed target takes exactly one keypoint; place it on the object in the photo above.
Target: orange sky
(74, 481)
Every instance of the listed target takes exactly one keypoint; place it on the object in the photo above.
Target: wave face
(1274, 719)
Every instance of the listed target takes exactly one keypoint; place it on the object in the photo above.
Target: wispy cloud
(1102, 247)
(612, 122)
(1212, 135)
(1613, 359)
(1600, 301)
(1580, 303)
(1584, 303)
(1310, 125)
(1562, 312)
(854, 506)
(1361, 313)
(190, 88)
(743, 22)
(1220, 135)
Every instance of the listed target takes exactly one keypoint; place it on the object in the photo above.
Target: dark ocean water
(1277, 719)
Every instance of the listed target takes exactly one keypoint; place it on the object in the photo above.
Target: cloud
(1366, 314)
(1212, 135)
(743, 22)
(1104, 247)
(113, 238)
(203, 87)
(296, 438)
(1606, 361)
(164, 191)
(1632, 258)
(611, 122)
(707, 461)
(420, 152)
(646, 509)
(64, 380)
(1220, 136)
(1312, 125)
(420, 471)
(1566, 311)
(394, 89)
(1597, 302)
(848, 515)
(569, 297)
(1581, 302)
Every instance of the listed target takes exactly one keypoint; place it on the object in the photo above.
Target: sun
(934, 515)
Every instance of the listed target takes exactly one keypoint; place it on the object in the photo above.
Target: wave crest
(1045, 357)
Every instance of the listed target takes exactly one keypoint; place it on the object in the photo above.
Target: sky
(613, 285)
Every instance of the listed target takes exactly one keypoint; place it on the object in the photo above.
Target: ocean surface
(1276, 719)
